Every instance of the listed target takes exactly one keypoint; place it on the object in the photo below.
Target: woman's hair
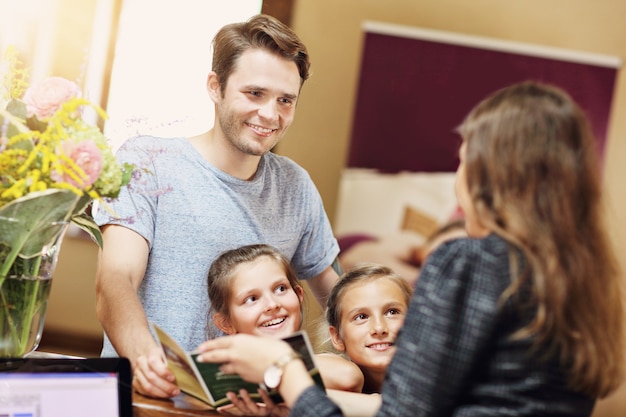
(361, 274)
(533, 174)
(259, 32)
(224, 269)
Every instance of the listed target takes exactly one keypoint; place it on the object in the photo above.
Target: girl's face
(472, 223)
(372, 313)
(262, 301)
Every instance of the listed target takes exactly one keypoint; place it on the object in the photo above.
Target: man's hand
(152, 377)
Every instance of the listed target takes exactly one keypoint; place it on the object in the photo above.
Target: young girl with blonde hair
(364, 313)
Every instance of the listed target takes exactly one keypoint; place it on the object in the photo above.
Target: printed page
(182, 366)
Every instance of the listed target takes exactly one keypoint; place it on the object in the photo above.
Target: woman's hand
(250, 356)
(246, 355)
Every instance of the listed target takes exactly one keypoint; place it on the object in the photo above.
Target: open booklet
(207, 383)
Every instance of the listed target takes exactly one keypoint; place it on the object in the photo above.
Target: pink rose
(46, 97)
(87, 156)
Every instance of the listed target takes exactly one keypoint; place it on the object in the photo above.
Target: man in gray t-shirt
(193, 198)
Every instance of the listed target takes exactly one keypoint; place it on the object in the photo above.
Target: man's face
(258, 104)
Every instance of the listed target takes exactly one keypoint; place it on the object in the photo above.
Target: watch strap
(284, 360)
(274, 374)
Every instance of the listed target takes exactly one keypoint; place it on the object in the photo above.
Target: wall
(71, 308)
(331, 29)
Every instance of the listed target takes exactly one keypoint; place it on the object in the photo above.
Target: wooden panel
(280, 9)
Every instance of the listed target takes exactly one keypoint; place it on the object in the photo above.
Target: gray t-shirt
(189, 212)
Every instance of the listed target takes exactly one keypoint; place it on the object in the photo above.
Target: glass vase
(25, 282)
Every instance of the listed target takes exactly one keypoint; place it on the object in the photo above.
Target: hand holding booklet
(207, 383)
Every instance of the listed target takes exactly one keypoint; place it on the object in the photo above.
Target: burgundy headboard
(416, 86)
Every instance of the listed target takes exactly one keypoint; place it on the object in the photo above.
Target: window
(162, 58)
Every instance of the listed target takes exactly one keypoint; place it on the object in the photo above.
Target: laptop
(38, 387)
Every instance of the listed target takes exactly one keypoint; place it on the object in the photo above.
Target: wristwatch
(274, 374)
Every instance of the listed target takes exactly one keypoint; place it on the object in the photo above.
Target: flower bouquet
(52, 165)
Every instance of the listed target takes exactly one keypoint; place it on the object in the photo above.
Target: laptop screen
(65, 387)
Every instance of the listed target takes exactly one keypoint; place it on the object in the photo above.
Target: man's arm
(121, 268)
(322, 284)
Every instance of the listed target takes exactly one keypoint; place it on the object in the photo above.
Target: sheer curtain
(27, 25)
(162, 57)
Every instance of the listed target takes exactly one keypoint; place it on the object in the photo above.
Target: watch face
(272, 377)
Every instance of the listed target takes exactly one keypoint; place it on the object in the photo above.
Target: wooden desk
(181, 405)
